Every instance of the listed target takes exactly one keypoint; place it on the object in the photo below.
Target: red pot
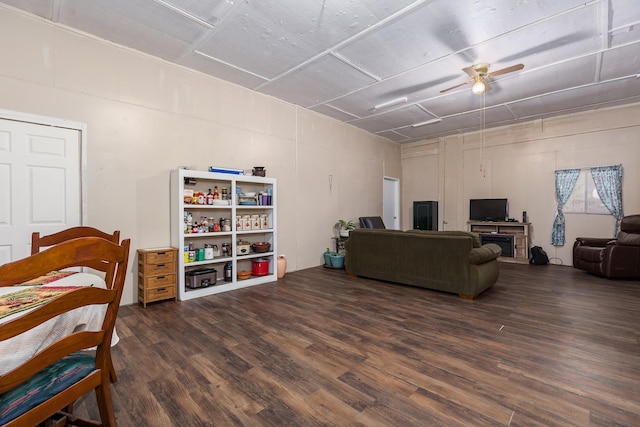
(260, 267)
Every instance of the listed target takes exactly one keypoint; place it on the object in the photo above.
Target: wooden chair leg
(105, 405)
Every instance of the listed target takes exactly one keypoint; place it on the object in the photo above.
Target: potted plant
(327, 257)
(337, 260)
(344, 227)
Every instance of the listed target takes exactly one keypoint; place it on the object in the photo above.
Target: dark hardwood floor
(545, 346)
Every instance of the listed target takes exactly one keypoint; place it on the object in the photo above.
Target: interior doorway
(391, 203)
(40, 180)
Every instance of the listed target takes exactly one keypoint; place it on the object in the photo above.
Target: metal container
(201, 278)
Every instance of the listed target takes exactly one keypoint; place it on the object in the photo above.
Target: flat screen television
(488, 209)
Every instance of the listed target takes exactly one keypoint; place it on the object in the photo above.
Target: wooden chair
(39, 242)
(25, 399)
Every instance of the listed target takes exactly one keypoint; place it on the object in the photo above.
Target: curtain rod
(588, 168)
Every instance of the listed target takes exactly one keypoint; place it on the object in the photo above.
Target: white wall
(518, 162)
(145, 117)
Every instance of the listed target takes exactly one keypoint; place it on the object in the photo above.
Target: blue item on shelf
(226, 170)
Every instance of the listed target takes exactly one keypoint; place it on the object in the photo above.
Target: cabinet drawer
(157, 281)
(159, 256)
(156, 269)
(161, 293)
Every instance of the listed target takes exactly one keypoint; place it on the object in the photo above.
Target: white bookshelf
(180, 239)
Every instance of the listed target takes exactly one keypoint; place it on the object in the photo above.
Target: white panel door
(391, 203)
(40, 188)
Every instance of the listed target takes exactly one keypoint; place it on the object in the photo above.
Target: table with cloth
(18, 299)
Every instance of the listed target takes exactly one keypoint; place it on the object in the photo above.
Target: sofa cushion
(630, 224)
(474, 236)
(44, 385)
(628, 239)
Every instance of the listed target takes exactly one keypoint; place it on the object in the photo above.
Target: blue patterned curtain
(565, 182)
(608, 181)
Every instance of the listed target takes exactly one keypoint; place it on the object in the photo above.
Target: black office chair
(371, 222)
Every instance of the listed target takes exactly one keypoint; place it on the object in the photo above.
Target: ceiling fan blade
(506, 70)
(487, 86)
(453, 87)
(471, 71)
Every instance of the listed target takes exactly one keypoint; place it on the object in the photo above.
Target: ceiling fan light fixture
(478, 87)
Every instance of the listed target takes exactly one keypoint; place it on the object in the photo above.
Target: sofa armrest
(592, 241)
(484, 254)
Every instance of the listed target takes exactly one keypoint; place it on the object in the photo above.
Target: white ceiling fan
(480, 74)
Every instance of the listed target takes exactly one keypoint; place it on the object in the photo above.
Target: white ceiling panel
(140, 24)
(440, 28)
(569, 100)
(327, 110)
(270, 37)
(404, 43)
(620, 62)
(211, 11)
(625, 36)
(222, 71)
(301, 86)
(623, 13)
(416, 85)
(343, 57)
(555, 40)
(393, 119)
(43, 8)
(464, 122)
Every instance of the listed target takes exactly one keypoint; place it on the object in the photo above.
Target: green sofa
(450, 261)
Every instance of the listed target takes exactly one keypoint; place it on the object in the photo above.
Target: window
(584, 198)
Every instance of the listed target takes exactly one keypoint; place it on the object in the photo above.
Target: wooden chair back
(40, 242)
(76, 252)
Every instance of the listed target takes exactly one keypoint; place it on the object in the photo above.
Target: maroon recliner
(618, 258)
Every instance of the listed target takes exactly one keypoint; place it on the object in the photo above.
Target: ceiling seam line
(338, 109)
(624, 27)
(230, 65)
(348, 40)
(354, 66)
(184, 13)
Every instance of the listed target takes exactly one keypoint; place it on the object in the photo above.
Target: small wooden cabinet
(157, 275)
